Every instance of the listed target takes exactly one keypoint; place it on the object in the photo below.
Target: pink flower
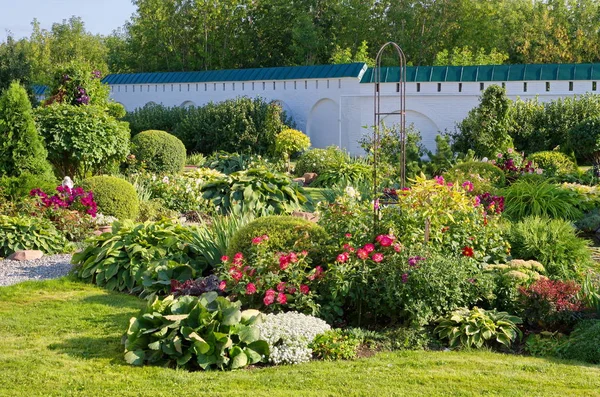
(397, 247)
(281, 298)
(376, 204)
(269, 297)
(222, 285)
(264, 237)
(404, 278)
(369, 248)
(362, 253)
(224, 258)
(477, 201)
(235, 274)
(510, 150)
(499, 155)
(283, 262)
(257, 240)
(386, 240)
(318, 273)
(343, 257)
(377, 257)
(347, 247)
(439, 180)
(250, 289)
(304, 252)
(292, 257)
(237, 258)
(291, 290)
(468, 186)
(281, 286)
(304, 289)
(348, 235)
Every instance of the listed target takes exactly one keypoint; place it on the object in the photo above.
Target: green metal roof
(282, 73)
(546, 72)
(39, 89)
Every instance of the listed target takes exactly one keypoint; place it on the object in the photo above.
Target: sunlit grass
(62, 338)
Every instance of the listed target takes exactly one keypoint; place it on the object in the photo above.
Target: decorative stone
(25, 255)
(299, 181)
(67, 182)
(309, 177)
(309, 216)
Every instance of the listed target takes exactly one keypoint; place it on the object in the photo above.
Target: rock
(309, 216)
(299, 181)
(26, 255)
(309, 177)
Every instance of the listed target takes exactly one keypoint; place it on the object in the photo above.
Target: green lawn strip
(62, 338)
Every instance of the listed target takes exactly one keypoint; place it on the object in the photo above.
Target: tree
(464, 56)
(485, 129)
(14, 65)
(585, 138)
(21, 148)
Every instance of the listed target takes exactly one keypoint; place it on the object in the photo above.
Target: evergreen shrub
(114, 196)
(161, 151)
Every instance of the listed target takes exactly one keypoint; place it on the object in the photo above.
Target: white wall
(340, 111)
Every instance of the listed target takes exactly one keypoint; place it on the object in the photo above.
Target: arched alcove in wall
(187, 104)
(422, 123)
(285, 107)
(151, 103)
(323, 125)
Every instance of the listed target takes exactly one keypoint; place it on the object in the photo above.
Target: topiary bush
(114, 196)
(30, 233)
(553, 242)
(554, 163)
(160, 151)
(320, 160)
(286, 233)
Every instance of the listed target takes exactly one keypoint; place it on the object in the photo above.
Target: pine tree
(21, 148)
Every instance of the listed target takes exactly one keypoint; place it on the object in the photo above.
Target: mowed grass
(63, 338)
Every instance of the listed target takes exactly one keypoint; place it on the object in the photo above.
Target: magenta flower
(377, 257)
(468, 186)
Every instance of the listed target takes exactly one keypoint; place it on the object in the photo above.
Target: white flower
(350, 192)
(539, 171)
(165, 179)
(484, 160)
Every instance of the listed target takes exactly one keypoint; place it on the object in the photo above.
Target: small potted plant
(104, 223)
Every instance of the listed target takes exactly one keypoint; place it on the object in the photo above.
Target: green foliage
(476, 327)
(21, 148)
(585, 140)
(485, 177)
(228, 163)
(256, 190)
(290, 141)
(465, 56)
(206, 332)
(155, 117)
(554, 163)
(485, 129)
(553, 242)
(443, 159)
(82, 140)
(583, 344)
(196, 159)
(235, 125)
(353, 173)
(286, 233)
(509, 277)
(159, 150)
(154, 210)
(320, 160)
(19, 187)
(444, 218)
(344, 55)
(336, 344)
(540, 198)
(114, 196)
(77, 84)
(141, 258)
(30, 233)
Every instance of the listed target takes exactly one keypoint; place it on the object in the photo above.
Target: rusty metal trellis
(377, 121)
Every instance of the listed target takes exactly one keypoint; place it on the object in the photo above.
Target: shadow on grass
(116, 299)
(89, 348)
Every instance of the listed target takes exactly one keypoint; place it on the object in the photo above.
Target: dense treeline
(175, 35)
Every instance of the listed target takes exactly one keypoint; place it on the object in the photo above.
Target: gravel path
(50, 266)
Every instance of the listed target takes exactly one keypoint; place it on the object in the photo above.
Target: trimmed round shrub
(320, 160)
(553, 242)
(554, 163)
(161, 151)
(114, 196)
(286, 233)
(484, 176)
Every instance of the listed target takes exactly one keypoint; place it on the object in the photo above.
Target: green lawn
(62, 338)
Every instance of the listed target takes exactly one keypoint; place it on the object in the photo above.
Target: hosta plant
(478, 327)
(143, 257)
(30, 233)
(256, 190)
(205, 332)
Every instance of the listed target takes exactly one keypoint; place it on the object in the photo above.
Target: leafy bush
(583, 344)
(509, 277)
(196, 287)
(553, 242)
(228, 163)
(476, 327)
(554, 163)
(205, 332)
(82, 140)
(336, 344)
(551, 305)
(346, 174)
(286, 233)
(140, 258)
(30, 233)
(155, 117)
(235, 125)
(485, 177)
(381, 281)
(22, 149)
(588, 196)
(540, 198)
(256, 190)
(159, 150)
(154, 210)
(585, 139)
(453, 221)
(114, 196)
(196, 159)
(19, 187)
(271, 282)
(515, 165)
(289, 142)
(485, 129)
(289, 336)
(320, 160)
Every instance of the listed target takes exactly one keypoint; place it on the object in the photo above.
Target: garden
(214, 250)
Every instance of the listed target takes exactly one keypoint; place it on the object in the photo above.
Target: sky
(99, 16)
